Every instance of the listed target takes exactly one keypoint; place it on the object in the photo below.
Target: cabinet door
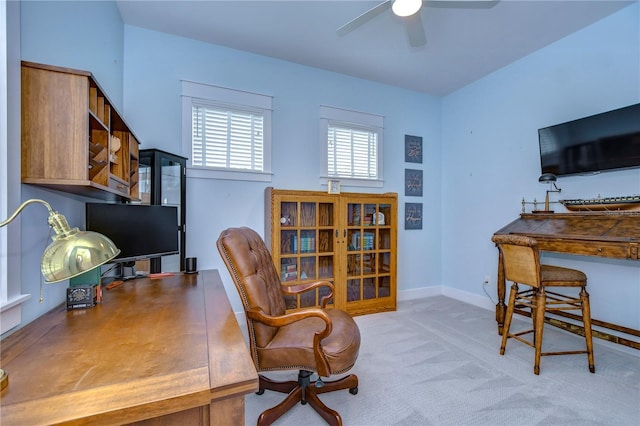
(162, 181)
(304, 244)
(370, 254)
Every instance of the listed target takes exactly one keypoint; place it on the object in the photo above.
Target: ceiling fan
(409, 10)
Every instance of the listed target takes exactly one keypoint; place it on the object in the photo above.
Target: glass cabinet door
(369, 251)
(163, 182)
(306, 241)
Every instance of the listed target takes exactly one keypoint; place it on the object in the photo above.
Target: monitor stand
(128, 271)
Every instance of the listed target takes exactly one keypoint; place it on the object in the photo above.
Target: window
(352, 142)
(226, 133)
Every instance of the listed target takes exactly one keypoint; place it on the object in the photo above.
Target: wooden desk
(156, 351)
(604, 234)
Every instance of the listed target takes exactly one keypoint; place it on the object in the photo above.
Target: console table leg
(501, 308)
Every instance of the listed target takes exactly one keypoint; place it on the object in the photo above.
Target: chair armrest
(321, 362)
(286, 319)
(293, 290)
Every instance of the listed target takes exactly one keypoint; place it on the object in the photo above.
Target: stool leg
(507, 319)
(586, 320)
(540, 306)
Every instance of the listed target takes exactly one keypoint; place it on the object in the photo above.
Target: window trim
(357, 120)
(11, 296)
(221, 97)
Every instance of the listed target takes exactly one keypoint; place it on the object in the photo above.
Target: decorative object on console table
(412, 149)
(624, 203)
(71, 253)
(549, 178)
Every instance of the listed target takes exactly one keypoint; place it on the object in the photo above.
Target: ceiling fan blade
(415, 30)
(365, 17)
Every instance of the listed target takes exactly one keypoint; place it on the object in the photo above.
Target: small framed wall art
(412, 149)
(413, 216)
(333, 186)
(413, 183)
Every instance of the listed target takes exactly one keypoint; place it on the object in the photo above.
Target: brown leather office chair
(325, 341)
(521, 260)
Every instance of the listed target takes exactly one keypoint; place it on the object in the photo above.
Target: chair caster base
(305, 392)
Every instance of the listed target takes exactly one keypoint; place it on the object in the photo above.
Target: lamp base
(541, 211)
(4, 379)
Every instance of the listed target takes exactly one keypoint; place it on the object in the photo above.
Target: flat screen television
(600, 142)
(139, 231)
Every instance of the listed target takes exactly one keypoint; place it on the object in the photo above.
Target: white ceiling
(464, 43)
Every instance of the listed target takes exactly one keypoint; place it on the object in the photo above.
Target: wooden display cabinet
(73, 139)
(163, 182)
(347, 239)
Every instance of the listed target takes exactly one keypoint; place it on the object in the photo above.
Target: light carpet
(435, 361)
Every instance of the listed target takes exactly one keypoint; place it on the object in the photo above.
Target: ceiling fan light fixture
(406, 7)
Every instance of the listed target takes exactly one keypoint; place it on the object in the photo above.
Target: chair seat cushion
(562, 277)
(292, 345)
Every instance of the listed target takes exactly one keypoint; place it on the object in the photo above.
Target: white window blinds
(352, 146)
(226, 133)
(224, 138)
(352, 153)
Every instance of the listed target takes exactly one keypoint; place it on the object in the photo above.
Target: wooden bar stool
(521, 260)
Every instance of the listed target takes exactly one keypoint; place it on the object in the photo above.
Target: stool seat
(520, 258)
(557, 276)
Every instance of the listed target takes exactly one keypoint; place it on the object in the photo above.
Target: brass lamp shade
(72, 251)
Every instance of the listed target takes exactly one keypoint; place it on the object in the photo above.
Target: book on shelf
(288, 272)
(307, 244)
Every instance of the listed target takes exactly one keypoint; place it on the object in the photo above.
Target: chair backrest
(255, 277)
(520, 257)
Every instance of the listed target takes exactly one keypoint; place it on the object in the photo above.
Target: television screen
(139, 231)
(606, 141)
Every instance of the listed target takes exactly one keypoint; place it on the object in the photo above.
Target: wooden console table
(156, 351)
(603, 234)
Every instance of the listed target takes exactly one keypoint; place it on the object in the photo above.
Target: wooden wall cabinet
(348, 239)
(73, 139)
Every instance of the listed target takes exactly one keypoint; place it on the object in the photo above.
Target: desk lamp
(549, 178)
(71, 253)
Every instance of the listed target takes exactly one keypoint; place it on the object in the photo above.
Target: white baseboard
(419, 293)
(454, 293)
